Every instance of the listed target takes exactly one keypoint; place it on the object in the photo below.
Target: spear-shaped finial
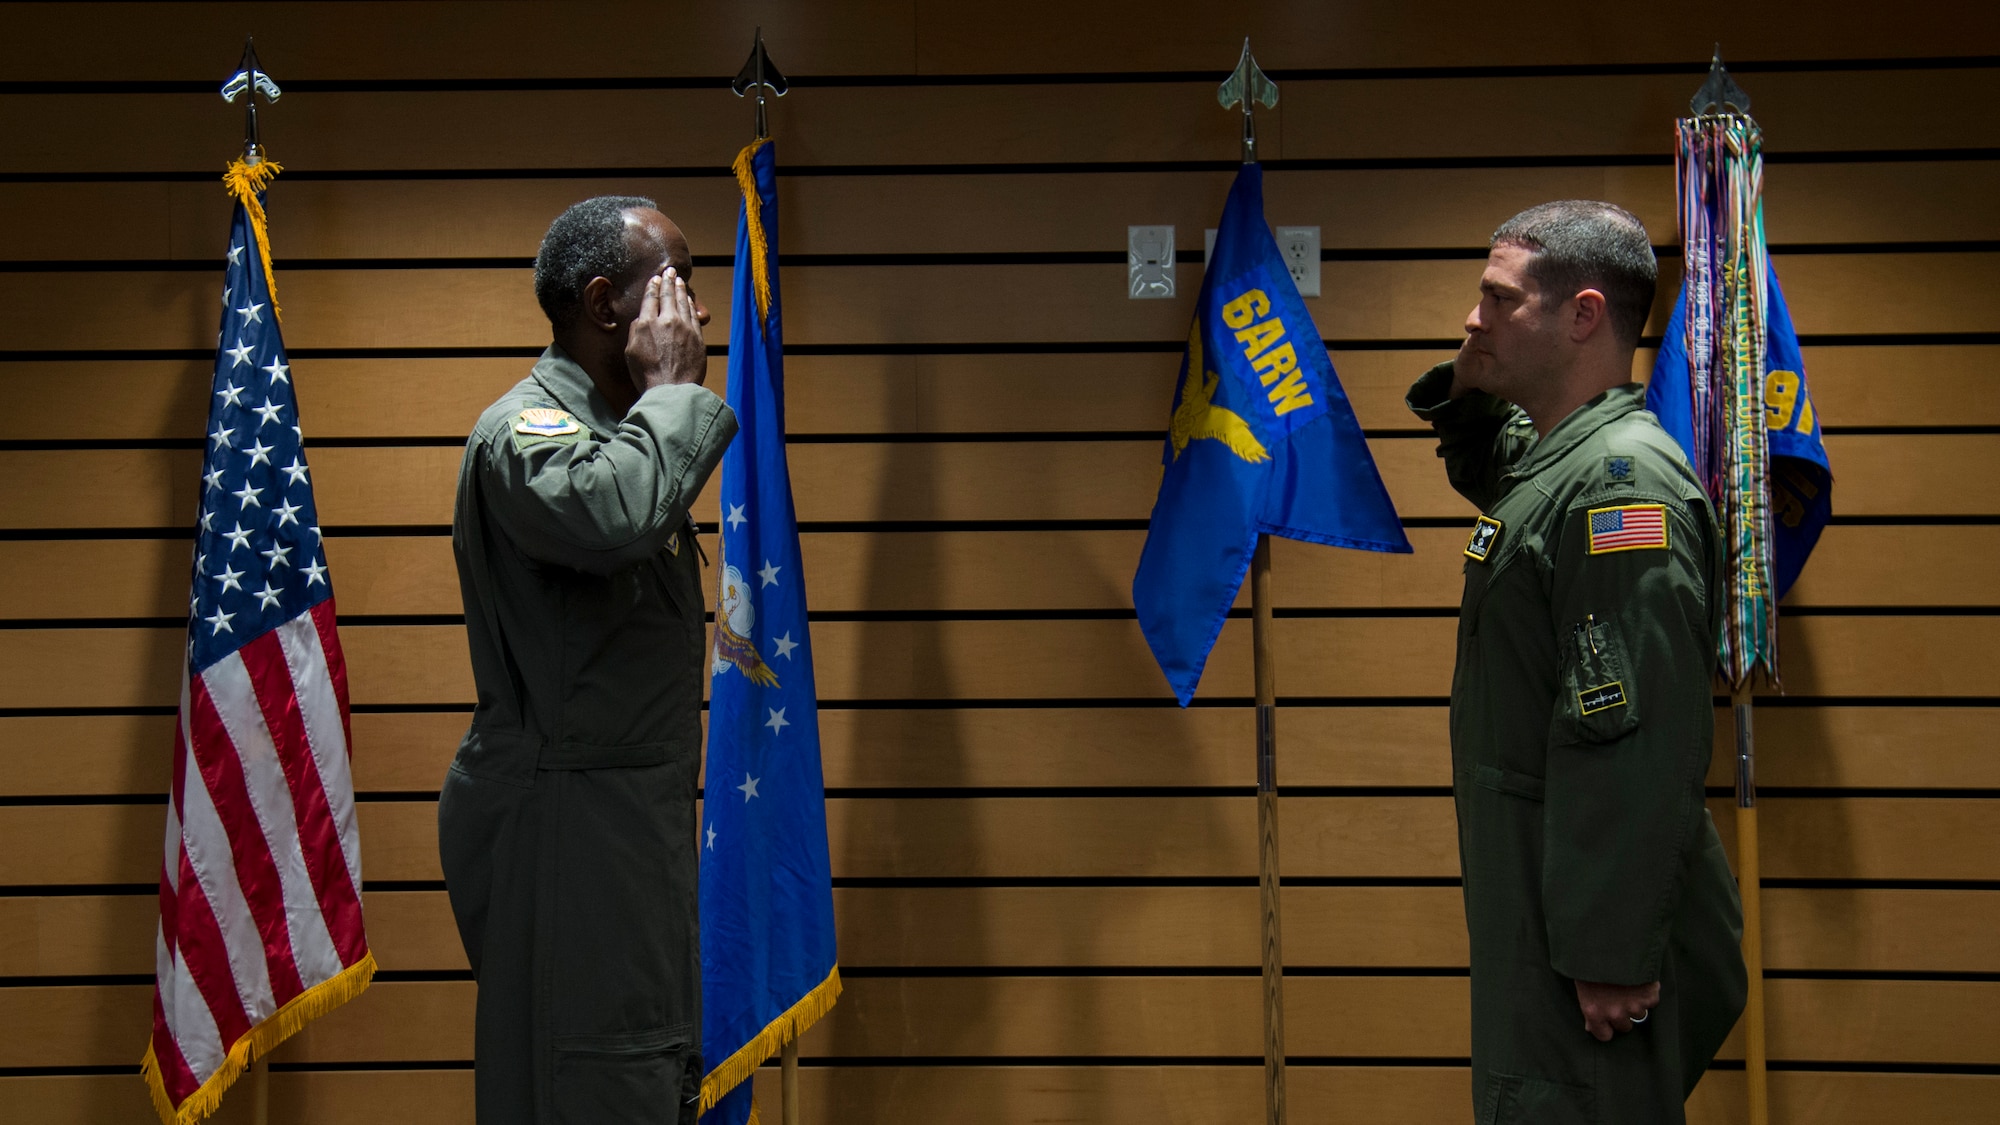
(1720, 94)
(249, 81)
(1249, 86)
(758, 75)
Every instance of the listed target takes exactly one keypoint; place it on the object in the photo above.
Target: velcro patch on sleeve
(1628, 527)
(544, 421)
(1485, 533)
(1601, 698)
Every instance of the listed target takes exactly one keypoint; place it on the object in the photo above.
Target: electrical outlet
(1149, 258)
(1300, 247)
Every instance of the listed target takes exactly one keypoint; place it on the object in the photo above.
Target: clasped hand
(1610, 1008)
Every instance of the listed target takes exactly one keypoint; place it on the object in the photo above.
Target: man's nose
(1472, 323)
(700, 313)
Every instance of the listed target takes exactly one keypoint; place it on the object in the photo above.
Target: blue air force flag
(1801, 477)
(767, 943)
(1261, 440)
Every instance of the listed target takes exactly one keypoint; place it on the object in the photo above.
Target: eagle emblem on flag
(735, 618)
(1198, 416)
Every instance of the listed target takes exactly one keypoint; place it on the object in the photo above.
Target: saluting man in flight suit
(566, 825)
(1605, 927)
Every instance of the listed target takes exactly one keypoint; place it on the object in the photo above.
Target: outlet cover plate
(1149, 258)
(1300, 247)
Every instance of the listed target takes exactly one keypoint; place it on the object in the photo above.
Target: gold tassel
(737, 1068)
(244, 180)
(259, 1041)
(753, 216)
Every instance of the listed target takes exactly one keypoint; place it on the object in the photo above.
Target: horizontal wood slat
(964, 1017)
(1817, 929)
(1913, 386)
(974, 124)
(392, 575)
(1049, 211)
(1096, 838)
(1357, 657)
(1882, 475)
(1055, 747)
(332, 41)
(866, 305)
(1004, 1095)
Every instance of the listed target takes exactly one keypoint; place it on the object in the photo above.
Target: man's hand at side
(1610, 1008)
(665, 346)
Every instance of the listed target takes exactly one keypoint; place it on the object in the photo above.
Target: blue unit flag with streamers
(768, 962)
(1801, 476)
(1261, 441)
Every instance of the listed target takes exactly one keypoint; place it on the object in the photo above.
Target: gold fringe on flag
(244, 182)
(259, 1041)
(737, 1068)
(753, 216)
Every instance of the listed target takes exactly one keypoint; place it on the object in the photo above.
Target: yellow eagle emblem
(1198, 417)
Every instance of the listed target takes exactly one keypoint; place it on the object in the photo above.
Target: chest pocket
(1599, 703)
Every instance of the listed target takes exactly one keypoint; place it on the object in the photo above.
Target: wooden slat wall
(1045, 874)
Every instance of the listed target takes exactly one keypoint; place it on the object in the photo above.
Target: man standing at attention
(1605, 926)
(567, 825)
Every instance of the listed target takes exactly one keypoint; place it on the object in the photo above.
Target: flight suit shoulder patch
(1627, 527)
(538, 424)
(1620, 468)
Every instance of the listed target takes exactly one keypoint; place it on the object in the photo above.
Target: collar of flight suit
(1585, 420)
(570, 385)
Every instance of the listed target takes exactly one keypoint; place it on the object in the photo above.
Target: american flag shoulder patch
(1628, 527)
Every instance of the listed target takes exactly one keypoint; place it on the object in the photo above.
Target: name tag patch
(1628, 527)
(1485, 535)
(1592, 700)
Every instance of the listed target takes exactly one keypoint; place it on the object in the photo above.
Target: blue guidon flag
(1261, 441)
(768, 960)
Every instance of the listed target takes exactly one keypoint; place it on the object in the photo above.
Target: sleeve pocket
(1598, 703)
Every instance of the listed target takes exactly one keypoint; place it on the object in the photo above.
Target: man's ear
(1592, 316)
(597, 304)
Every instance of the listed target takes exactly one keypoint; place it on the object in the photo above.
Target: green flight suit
(1581, 721)
(567, 824)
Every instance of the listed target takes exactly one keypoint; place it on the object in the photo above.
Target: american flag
(1628, 527)
(260, 891)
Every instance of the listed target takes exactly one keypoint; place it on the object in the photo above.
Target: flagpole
(1749, 879)
(758, 76)
(253, 153)
(1248, 86)
(1266, 673)
(790, 1083)
(1721, 96)
(260, 1092)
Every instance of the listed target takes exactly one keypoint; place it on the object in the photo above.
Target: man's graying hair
(585, 242)
(1582, 244)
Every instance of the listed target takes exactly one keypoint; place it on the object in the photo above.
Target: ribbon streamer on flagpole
(1719, 162)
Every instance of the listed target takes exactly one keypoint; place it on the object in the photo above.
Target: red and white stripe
(1644, 526)
(260, 891)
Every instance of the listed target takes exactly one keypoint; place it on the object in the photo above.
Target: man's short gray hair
(1583, 244)
(587, 241)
